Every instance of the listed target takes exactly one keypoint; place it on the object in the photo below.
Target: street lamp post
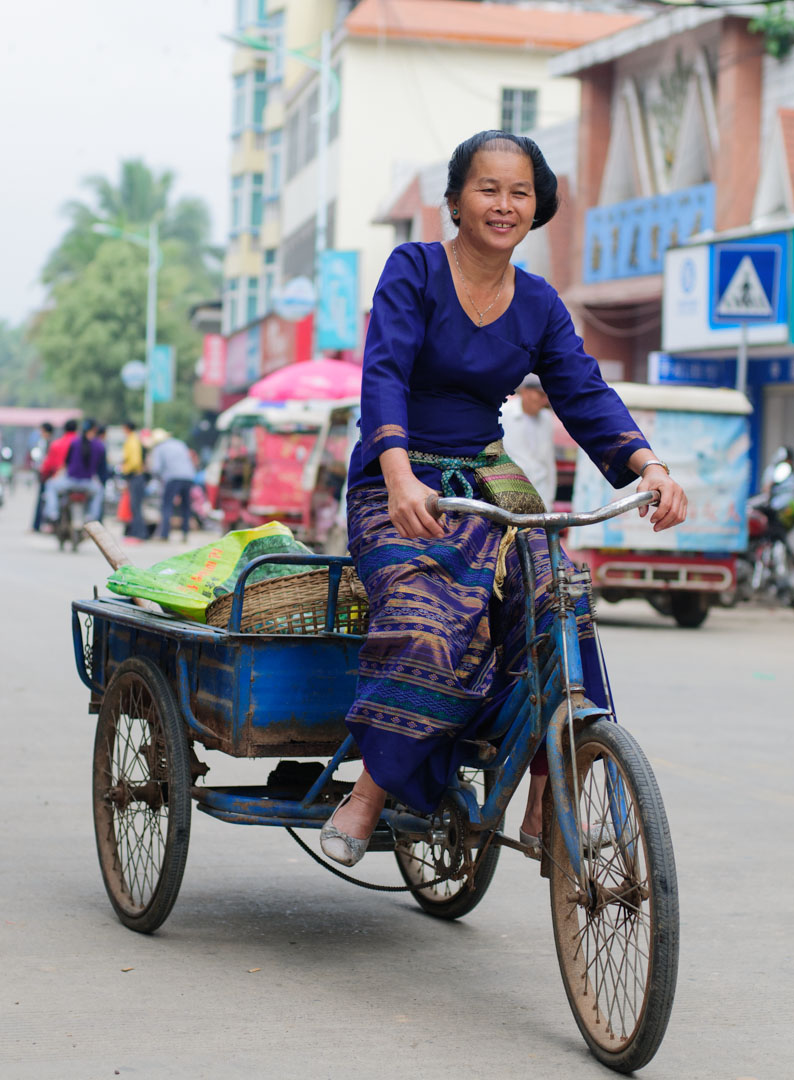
(150, 242)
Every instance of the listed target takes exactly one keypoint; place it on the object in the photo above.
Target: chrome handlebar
(437, 506)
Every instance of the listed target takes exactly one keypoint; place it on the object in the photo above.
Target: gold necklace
(482, 314)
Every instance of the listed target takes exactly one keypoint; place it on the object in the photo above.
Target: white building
(416, 78)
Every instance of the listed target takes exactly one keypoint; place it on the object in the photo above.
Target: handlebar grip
(431, 505)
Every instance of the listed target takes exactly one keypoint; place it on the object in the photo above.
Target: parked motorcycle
(766, 570)
(67, 529)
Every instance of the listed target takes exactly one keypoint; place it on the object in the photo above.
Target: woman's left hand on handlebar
(672, 506)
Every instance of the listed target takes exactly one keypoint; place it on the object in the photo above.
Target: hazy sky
(85, 83)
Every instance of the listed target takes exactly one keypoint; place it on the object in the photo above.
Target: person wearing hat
(170, 461)
(529, 436)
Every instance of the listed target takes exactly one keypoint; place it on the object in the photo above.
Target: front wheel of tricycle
(141, 795)
(617, 942)
(421, 862)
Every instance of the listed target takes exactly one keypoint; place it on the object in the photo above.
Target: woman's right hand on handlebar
(407, 497)
(408, 510)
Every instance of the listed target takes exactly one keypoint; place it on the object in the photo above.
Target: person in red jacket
(55, 458)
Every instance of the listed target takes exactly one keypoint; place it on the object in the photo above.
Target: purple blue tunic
(433, 670)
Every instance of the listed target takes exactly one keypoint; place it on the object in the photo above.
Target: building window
(260, 98)
(268, 279)
(232, 290)
(260, 140)
(275, 25)
(293, 143)
(274, 163)
(237, 207)
(238, 104)
(519, 111)
(257, 184)
(252, 300)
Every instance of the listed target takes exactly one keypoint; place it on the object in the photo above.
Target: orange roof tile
(482, 23)
(787, 128)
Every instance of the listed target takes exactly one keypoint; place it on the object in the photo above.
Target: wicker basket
(296, 604)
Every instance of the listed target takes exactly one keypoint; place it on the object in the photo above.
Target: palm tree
(141, 196)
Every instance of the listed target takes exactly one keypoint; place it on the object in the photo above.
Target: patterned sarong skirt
(434, 668)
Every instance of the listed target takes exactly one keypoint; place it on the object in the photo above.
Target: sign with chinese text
(629, 239)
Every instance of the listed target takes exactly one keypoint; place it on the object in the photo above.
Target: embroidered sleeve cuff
(383, 438)
(614, 463)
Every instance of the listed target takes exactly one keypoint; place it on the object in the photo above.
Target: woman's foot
(345, 835)
(533, 815)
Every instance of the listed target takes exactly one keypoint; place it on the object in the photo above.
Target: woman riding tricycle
(482, 657)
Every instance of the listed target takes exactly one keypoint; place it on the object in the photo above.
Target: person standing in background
(104, 472)
(46, 433)
(132, 471)
(529, 437)
(55, 458)
(169, 460)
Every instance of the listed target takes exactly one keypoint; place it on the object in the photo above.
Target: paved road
(268, 967)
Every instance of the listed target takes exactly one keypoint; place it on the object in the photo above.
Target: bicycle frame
(550, 701)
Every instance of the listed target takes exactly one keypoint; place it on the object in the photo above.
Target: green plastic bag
(187, 584)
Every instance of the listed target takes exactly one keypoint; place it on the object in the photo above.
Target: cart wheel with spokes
(421, 862)
(141, 795)
(617, 943)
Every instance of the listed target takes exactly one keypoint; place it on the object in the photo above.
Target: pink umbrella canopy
(320, 379)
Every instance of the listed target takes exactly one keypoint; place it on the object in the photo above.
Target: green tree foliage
(95, 320)
(777, 26)
(22, 377)
(98, 324)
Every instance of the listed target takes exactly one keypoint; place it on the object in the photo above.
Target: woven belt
(451, 469)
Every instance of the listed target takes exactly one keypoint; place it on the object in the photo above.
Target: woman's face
(497, 204)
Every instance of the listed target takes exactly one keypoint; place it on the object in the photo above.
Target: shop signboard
(161, 373)
(284, 342)
(213, 368)
(717, 371)
(337, 311)
(629, 239)
(708, 286)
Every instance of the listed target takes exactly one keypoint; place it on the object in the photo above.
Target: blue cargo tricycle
(164, 687)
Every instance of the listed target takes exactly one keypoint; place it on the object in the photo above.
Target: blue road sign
(747, 280)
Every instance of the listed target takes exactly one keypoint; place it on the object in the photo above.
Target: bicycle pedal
(382, 839)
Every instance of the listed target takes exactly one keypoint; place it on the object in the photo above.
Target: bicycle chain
(395, 888)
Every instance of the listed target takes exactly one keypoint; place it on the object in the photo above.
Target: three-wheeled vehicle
(165, 689)
(703, 436)
(284, 461)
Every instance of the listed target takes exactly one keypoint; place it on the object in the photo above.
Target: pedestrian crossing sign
(746, 282)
